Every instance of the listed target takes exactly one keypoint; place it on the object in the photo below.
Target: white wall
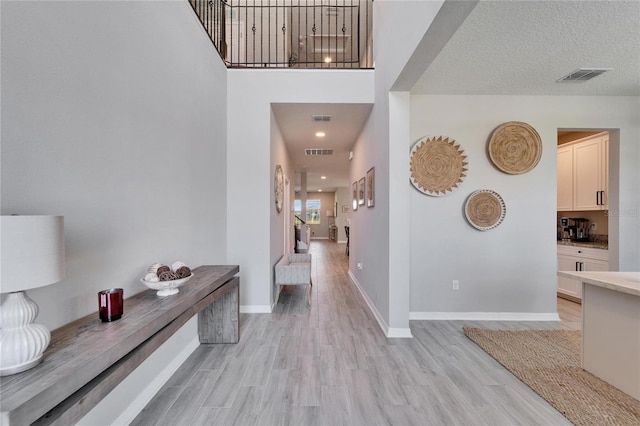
(396, 37)
(249, 170)
(279, 156)
(114, 116)
(511, 268)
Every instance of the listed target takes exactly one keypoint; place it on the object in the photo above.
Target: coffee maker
(574, 229)
(581, 232)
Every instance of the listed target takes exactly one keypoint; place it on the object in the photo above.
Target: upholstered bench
(294, 269)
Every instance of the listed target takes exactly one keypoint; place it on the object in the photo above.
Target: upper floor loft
(312, 34)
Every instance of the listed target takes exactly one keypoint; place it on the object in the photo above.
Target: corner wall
(384, 279)
(279, 156)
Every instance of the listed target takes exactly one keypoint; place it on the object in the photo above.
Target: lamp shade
(31, 252)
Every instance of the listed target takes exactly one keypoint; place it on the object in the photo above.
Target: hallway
(330, 364)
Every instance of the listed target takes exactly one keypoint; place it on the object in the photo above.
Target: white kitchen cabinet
(583, 169)
(572, 258)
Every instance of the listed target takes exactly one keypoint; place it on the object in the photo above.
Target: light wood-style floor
(330, 364)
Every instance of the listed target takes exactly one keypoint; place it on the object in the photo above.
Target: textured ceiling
(523, 47)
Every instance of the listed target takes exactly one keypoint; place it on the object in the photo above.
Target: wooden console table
(87, 358)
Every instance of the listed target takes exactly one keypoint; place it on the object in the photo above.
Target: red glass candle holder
(110, 304)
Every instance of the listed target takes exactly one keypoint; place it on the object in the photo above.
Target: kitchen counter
(624, 282)
(586, 244)
(611, 327)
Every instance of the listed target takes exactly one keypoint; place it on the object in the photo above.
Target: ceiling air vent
(583, 74)
(321, 117)
(315, 151)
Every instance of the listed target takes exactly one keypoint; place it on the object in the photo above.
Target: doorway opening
(587, 188)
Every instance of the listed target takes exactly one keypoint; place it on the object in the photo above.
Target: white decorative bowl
(166, 288)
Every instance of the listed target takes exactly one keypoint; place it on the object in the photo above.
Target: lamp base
(22, 342)
(15, 369)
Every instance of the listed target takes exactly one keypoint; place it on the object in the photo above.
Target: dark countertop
(587, 244)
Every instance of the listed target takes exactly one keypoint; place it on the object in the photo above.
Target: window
(313, 211)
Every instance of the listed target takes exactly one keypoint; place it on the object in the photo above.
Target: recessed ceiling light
(328, 59)
(321, 134)
(319, 190)
(323, 177)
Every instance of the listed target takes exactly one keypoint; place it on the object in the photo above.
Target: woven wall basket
(438, 166)
(485, 209)
(515, 147)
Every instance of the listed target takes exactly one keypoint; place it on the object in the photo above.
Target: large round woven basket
(438, 165)
(485, 209)
(515, 147)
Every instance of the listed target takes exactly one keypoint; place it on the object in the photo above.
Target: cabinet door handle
(577, 266)
(597, 198)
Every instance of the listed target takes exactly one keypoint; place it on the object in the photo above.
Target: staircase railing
(290, 33)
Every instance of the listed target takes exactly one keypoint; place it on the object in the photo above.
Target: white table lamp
(31, 256)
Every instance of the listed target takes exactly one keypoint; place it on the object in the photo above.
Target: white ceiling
(523, 47)
(502, 48)
(298, 130)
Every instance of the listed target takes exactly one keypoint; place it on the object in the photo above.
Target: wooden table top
(81, 350)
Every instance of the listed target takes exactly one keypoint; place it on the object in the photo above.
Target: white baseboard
(483, 316)
(342, 242)
(319, 238)
(399, 333)
(255, 309)
(389, 332)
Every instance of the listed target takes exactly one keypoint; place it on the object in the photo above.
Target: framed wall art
(371, 187)
(361, 192)
(354, 196)
(278, 187)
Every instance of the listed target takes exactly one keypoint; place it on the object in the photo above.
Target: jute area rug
(548, 361)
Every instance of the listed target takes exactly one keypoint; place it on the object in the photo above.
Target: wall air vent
(316, 151)
(583, 74)
(321, 117)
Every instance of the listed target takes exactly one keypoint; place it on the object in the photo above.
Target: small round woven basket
(515, 147)
(485, 209)
(438, 165)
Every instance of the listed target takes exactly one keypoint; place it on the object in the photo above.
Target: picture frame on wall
(354, 196)
(361, 191)
(371, 187)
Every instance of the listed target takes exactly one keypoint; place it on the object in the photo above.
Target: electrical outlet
(594, 226)
(456, 285)
(359, 265)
